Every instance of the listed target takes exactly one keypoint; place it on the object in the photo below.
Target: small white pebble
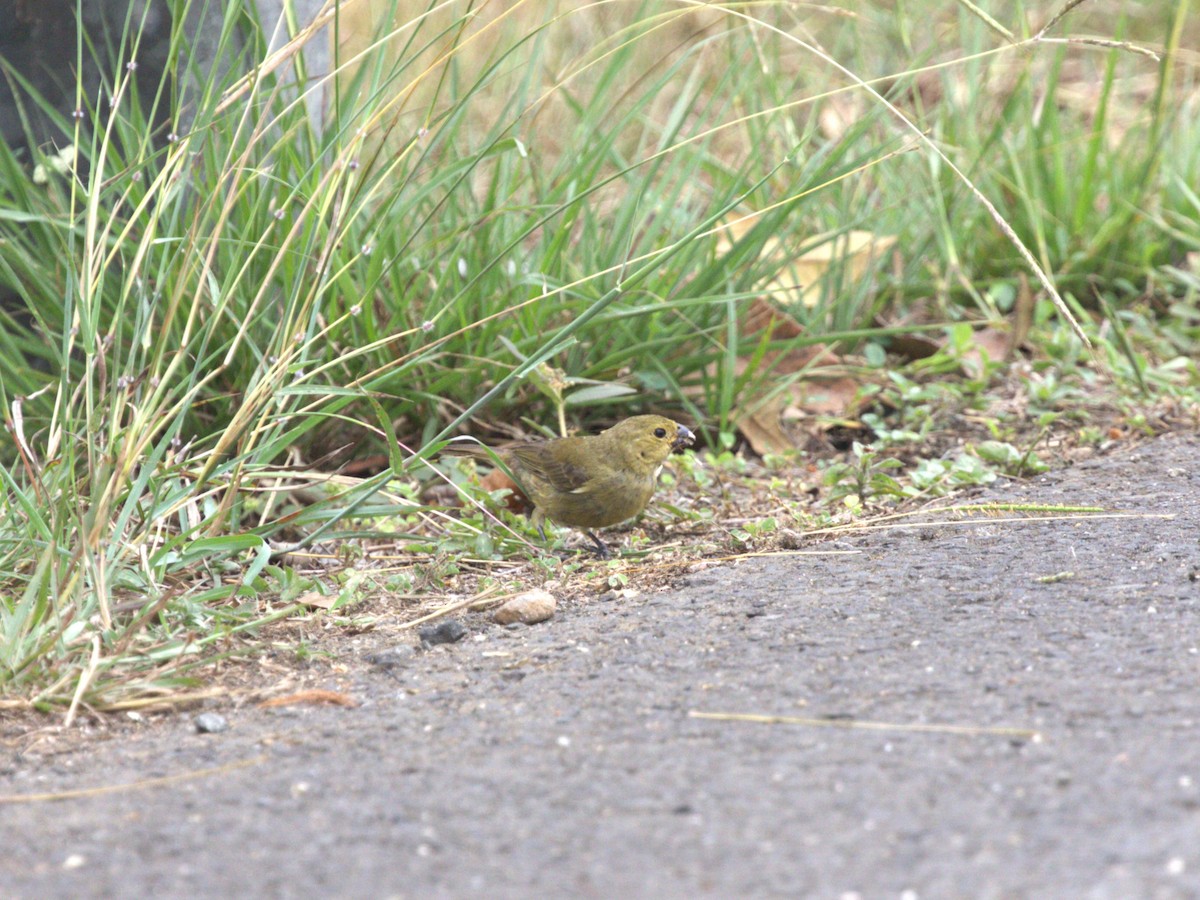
(1150, 610)
(74, 861)
(1185, 781)
(1176, 865)
(564, 741)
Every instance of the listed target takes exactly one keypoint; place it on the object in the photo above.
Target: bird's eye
(660, 432)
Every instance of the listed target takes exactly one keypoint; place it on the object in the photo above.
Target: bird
(592, 481)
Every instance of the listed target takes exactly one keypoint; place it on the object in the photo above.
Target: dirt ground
(567, 759)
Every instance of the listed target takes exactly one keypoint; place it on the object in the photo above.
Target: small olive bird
(590, 481)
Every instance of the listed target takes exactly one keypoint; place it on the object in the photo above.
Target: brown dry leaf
(799, 276)
(995, 342)
(830, 397)
(1000, 343)
(762, 315)
(1022, 315)
(914, 345)
(833, 395)
(762, 424)
(516, 501)
(317, 600)
(311, 698)
(855, 249)
(763, 428)
(799, 281)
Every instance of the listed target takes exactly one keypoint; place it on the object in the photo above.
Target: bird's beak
(683, 438)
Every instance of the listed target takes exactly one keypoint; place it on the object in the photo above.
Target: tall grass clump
(208, 303)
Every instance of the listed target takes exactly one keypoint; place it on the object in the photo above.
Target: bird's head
(647, 441)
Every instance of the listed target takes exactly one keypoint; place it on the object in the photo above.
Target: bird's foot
(602, 551)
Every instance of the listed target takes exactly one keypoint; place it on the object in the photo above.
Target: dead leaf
(317, 600)
(310, 698)
(828, 396)
(821, 393)
(763, 429)
(800, 275)
(816, 395)
(516, 501)
(1022, 315)
(913, 345)
(992, 341)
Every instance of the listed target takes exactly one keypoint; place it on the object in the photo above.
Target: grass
(527, 217)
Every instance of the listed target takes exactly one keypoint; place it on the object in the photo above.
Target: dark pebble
(391, 658)
(210, 723)
(448, 632)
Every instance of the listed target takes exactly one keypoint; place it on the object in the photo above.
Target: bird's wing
(561, 474)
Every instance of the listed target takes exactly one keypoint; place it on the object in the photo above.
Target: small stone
(391, 658)
(449, 632)
(622, 594)
(210, 723)
(529, 608)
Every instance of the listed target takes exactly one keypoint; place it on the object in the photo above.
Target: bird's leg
(601, 551)
(539, 522)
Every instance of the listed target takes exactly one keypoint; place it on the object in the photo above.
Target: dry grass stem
(860, 724)
(134, 786)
